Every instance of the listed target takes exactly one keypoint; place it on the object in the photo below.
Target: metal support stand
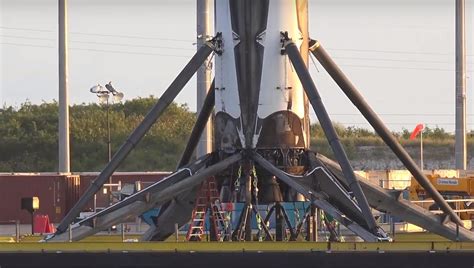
(248, 204)
(331, 227)
(263, 225)
(299, 227)
(316, 224)
(392, 227)
(17, 231)
(279, 224)
(70, 233)
(457, 232)
(244, 226)
(311, 224)
(32, 223)
(317, 199)
(176, 232)
(289, 226)
(311, 220)
(244, 229)
(123, 232)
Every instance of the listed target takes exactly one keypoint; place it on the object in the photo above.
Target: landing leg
(356, 98)
(168, 96)
(323, 117)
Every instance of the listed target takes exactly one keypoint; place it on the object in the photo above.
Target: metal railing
(457, 205)
(17, 228)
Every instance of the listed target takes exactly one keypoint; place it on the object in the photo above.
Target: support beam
(199, 127)
(263, 224)
(64, 156)
(145, 194)
(460, 146)
(311, 221)
(331, 135)
(383, 200)
(166, 99)
(243, 232)
(358, 100)
(179, 211)
(327, 183)
(158, 196)
(244, 226)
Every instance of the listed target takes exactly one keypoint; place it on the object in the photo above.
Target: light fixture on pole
(419, 129)
(103, 93)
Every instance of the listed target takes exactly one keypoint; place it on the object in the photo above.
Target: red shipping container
(56, 193)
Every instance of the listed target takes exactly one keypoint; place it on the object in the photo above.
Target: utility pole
(64, 158)
(421, 151)
(460, 147)
(203, 30)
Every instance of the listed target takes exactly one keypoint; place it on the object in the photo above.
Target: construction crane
(260, 101)
(459, 193)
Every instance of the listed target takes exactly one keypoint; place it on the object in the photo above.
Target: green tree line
(353, 138)
(29, 139)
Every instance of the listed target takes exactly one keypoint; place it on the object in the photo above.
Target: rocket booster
(259, 101)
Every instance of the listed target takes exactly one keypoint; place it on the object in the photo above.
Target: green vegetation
(28, 138)
(355, 139)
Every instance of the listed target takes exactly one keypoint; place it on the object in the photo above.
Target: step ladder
(207, 203)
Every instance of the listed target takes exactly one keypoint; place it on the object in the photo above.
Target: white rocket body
(259, 103)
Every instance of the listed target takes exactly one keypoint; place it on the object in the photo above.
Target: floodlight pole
(421, 151)
(460, 144)
(104, 99)
(109, 146)
(203, 75)
(64, 157)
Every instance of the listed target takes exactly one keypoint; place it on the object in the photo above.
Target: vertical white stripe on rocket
(227, 93)
(280, 82)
